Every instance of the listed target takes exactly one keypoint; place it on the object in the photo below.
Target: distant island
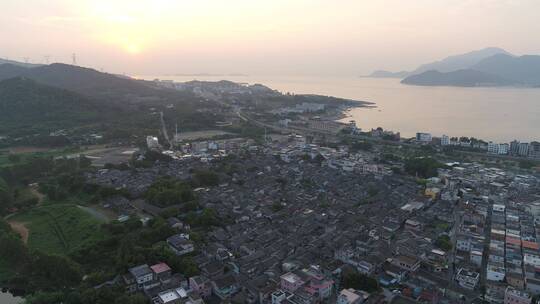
(489, 67)
(388, 74)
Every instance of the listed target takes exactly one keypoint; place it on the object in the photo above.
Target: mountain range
(486, 67)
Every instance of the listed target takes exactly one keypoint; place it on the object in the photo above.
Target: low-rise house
(175, 223)
(213, 269)
(173, 296)
(162, 272)
(532, 285)
(476, 257)
(531, 258)
(291, 282)
(495, 292)
(142, 275)
(180, 244)
(200, 285)
(467, 279)
(224, 286)
(408, 263)
(516, 280)
(413, 225)
(395, 272)
(352, 296)
(514, 296)
(495, 272)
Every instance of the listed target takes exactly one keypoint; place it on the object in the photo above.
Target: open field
(59, 228)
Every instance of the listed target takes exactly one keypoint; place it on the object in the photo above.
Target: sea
(492, 114)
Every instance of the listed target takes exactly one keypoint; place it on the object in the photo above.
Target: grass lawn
(59, 228)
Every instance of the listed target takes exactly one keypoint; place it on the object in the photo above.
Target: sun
(133, 49)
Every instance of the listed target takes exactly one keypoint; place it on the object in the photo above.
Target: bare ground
(21, 229)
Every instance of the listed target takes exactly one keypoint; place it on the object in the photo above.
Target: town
(305, 223)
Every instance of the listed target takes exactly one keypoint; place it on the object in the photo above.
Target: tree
(12, 249)
(206, 178)
(424, 167)
(6, 197)
(53, 272)
(360, 281)
(443, 242)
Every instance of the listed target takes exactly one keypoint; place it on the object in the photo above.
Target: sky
(262, 37)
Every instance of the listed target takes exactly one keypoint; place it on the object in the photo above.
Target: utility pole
(73, 59)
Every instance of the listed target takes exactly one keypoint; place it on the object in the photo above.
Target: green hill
(29, 107)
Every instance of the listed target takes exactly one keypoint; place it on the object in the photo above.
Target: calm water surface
(499, 114)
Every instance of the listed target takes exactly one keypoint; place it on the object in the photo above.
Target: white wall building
(493, 148)
(152, 142)
(445, 140)
(504, 149)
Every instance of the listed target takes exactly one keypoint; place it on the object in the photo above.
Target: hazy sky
(316, 37)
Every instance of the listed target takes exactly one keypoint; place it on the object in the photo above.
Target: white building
(352, 296)
(495, 273)
(504, 149)
(152, 142)
(445, 140)
(531, 259)
(493, 148)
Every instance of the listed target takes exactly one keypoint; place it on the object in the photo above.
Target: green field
(59, 228)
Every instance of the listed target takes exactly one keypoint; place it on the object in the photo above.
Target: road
(487, 241)
(164, 128)
(457, 214)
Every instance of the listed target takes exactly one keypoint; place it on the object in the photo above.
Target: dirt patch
(21, 229)
(36, 193)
